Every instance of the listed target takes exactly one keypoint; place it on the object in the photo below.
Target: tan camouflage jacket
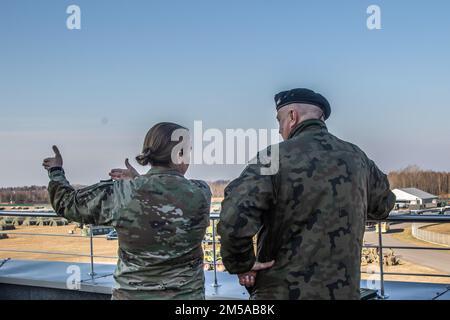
(309, 217)
(161, 219)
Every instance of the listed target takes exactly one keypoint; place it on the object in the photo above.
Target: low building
(407, 197)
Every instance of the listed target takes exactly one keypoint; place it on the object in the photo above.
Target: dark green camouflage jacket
(309, 217)
(161, 219)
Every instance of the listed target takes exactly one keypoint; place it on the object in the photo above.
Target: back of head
(303, 96)
(158, 145)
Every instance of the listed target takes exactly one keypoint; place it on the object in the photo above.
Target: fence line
(419, 232)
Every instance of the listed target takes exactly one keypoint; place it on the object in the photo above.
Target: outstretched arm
(95, 204)
(90, 205)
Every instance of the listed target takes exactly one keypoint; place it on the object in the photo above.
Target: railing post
(215, 284)
(4, 261)
(91, 236)
(382, 294)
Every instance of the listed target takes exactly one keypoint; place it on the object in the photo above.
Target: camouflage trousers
(121, 294)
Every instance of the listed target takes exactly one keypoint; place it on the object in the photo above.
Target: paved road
(438, 260)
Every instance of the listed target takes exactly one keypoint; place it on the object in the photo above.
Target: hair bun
(158, 145)
(149, 153)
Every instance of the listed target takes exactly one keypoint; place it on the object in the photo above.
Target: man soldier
(309, 216)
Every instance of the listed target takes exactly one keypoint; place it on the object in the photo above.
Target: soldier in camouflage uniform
(160, 217)
(309, 217)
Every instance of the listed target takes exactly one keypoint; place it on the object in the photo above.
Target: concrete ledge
(46, 280)
(41, 279)
(23, 292)
(49, 274)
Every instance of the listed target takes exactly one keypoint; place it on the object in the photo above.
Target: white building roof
(412, 194)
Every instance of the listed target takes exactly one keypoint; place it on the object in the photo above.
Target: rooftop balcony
(37, 279)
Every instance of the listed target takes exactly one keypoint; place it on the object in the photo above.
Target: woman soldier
(160, 217)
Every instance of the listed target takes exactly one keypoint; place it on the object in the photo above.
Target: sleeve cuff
(55, 172)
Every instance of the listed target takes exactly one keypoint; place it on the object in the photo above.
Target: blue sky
(96, 91)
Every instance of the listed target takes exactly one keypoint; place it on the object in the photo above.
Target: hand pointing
(124, 174)
(55, 161)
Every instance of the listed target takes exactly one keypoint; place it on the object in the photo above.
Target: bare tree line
(437, 183)
(39, 194)
(24, 195)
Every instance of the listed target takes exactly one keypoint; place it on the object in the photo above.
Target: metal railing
(214, 217)
(407, 218)
(91, 254)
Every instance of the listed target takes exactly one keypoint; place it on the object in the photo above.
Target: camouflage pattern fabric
(161, 220)
(309, 217)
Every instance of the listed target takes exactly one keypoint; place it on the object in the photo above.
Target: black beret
(301, 95)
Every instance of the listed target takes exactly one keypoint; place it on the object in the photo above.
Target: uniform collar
(306, 125)
(163, 170)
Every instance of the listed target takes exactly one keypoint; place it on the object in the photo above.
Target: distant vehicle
(401, 205)
(112, 235)
(96, 230)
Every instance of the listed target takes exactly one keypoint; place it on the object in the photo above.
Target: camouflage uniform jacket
(309, 216)
(160, 218)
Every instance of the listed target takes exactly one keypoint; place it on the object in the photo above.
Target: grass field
(406, 236)
(439, 228)
(408, 267)
(68, 244)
